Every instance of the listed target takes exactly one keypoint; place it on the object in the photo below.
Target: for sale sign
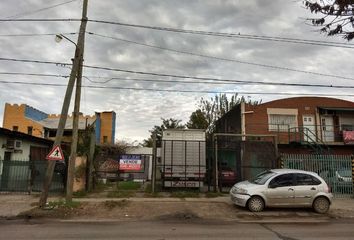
(130, 163)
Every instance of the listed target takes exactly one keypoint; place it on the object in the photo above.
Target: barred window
(281, 122)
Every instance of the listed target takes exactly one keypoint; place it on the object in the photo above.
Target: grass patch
(113, 204)
(121, 194)
(63, 204)
(213, 194)
(128, 185)
(185, 194)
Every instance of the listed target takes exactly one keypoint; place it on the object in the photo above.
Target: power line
(207, 33)
(179, 91)
(181, 76)
(166, 75)
(34, 74)
(39, 10)
(34, 34)
(213, 82)
(212, 57)
(230, 35)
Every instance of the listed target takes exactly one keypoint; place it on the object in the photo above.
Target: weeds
(113, 204)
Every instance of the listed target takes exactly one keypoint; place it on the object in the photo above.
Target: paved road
(170, 231)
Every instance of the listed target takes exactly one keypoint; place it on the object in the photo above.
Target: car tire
(321, 205)
(255, 204)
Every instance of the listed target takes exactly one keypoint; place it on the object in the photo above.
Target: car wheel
(321, 205)
(255, 204)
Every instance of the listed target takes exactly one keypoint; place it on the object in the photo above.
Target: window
(105, 139)
(29, 130)
(284, 180)
(305, 179)
(15, 128)
(282, 123)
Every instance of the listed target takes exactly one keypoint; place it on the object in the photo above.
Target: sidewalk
(219, 208)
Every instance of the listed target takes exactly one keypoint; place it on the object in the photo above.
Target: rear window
(306, 179)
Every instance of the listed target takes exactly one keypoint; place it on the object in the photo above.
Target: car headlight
(241, 191)
(237, 190)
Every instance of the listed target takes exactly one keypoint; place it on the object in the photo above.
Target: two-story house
(300, 124)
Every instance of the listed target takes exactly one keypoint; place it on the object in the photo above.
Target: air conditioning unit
(17, 145)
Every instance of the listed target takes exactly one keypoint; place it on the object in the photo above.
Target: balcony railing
(322, 134)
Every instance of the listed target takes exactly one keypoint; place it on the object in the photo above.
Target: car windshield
(345, 173)
(263, 177)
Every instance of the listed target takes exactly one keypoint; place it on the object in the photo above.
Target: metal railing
(28, 176)
(336, 170)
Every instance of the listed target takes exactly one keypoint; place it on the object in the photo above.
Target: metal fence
(28, 176)
(336, 170)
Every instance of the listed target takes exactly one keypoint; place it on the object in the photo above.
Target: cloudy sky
(122, 47)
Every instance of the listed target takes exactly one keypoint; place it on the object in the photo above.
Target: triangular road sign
(56, 154)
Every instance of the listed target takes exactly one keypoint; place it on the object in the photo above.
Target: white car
(283, 188)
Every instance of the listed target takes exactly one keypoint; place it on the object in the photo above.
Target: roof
(285, 170)
(52, 123)
(24, 136)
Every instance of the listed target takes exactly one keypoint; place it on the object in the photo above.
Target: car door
(306, 187)
(280, 190)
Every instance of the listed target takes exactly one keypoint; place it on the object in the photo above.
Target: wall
(15, 115)
(230, 122)
(106, 127)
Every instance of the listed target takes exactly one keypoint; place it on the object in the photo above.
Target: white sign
(56, 154)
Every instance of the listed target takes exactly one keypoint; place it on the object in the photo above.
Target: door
(327, 129)
(280, 190)
(308, 121)
(306, 188)
(5, 174)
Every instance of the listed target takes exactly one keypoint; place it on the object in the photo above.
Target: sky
(129, 48)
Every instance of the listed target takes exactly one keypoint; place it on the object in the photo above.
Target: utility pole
(75, 136)
(77, 64)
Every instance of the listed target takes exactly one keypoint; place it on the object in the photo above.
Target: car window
(306, 179)
(284, 180)
(263, 177)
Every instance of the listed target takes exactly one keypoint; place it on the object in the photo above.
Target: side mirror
(272, 185)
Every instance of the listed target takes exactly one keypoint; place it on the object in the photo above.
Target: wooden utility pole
(154, 158)
(77, 63)
(75, 134)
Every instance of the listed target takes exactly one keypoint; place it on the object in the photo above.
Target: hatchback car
(283, 188)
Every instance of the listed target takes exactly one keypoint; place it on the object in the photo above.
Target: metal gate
(238, 157)
(336, 170)
(28, 176)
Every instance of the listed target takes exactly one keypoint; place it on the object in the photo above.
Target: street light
(60, 37)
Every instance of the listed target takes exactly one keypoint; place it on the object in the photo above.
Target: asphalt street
(165, 230)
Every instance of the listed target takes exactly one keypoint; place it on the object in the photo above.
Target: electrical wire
(212, 82)
(206, 33)
(159, 74)
(35, 34)
(212, 57)
(39, 10)
(230, 35)
(178, 91)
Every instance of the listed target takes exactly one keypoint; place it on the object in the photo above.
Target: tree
(197, 120)
(218, 106)
(337, 19)
(166, 124)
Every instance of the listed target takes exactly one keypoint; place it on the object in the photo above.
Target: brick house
(26, 119)
(301, 124)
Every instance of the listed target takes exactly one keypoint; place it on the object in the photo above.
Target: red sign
(56, 154)
(348, 137)
(130, 165)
